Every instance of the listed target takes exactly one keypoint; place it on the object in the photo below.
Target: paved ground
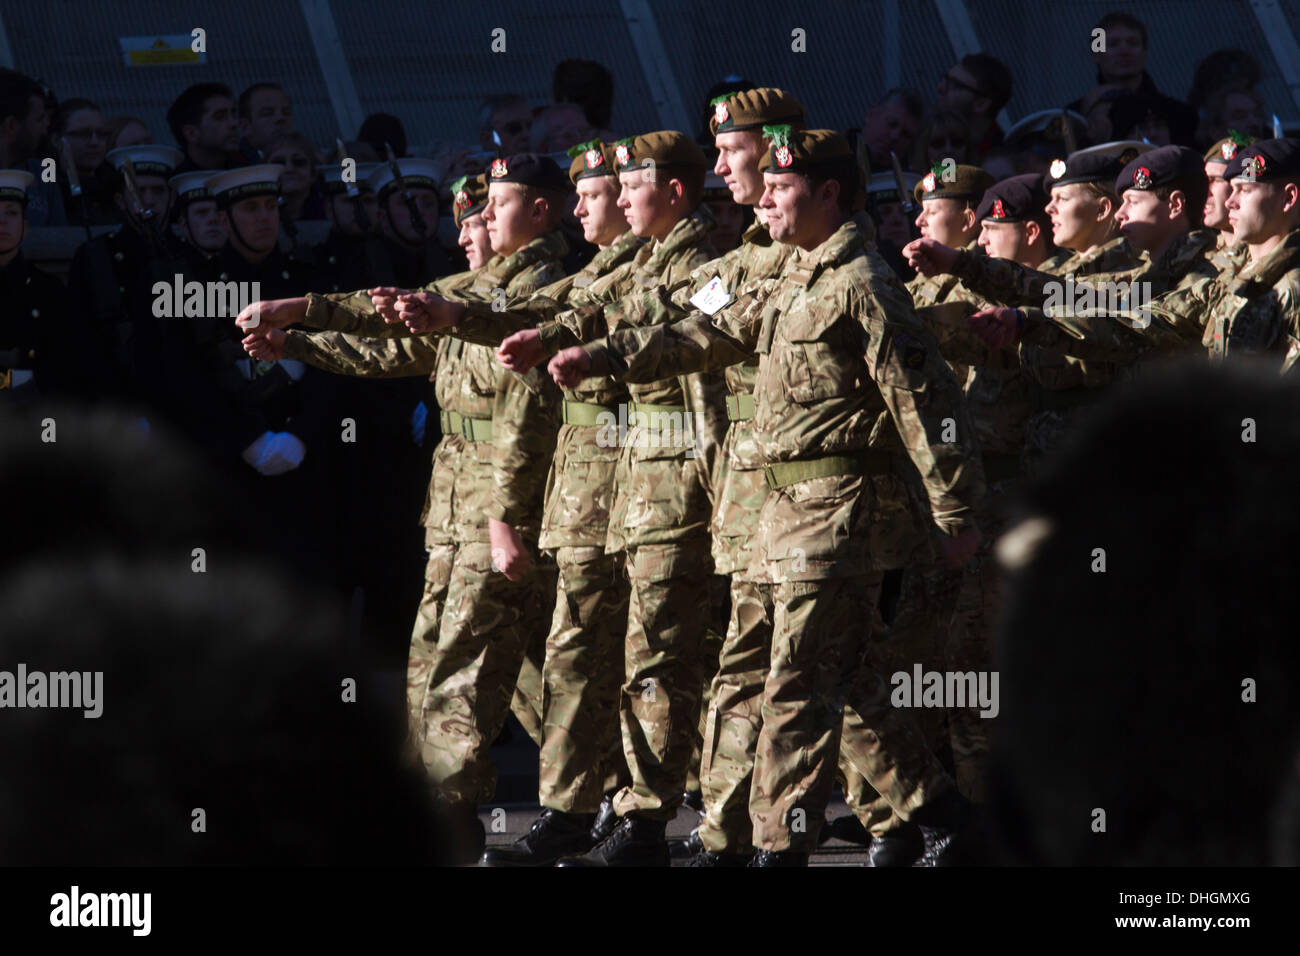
(515, 808)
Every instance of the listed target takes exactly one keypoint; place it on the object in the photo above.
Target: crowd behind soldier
(816, 308)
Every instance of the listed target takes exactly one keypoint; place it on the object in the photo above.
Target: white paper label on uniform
(712, 297)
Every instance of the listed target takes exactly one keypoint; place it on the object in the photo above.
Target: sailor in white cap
(197, 217)
(407, 190)
(33, 304)
(248, 199)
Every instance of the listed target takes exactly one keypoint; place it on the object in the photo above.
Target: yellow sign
(174, 50)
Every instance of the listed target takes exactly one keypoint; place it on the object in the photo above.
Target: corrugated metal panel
(1056, 68)
(836, 79)
(432, 65)
(73, 46)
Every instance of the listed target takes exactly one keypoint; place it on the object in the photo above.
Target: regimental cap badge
(1228, 150)
(782, 156)
(998, 211)
(780, 138)
(720, 112)
(1141, 178)
(1254, 166)
(499, 168)
(461, 197)
(593, 158)
(928, 182)
(1057, 169)
(623, 153)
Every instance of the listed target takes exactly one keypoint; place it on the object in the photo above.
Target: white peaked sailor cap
(232, 185)
(415, 172)
(14, 183)
(148, 159)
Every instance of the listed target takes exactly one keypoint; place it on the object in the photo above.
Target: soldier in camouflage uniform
(659, 516)
(486, 619)
(581, 752)
(1251, 311)
(838, 345)
(1229, 254)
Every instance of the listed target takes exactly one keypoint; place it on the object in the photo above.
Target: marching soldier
(484, 619)
(849, 351)
(1229, 254)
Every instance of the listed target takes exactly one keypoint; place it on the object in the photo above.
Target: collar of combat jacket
(1265, 273)
(617, 252)
(757, 233)
(689, 231)
(841, 246)
(542, 249)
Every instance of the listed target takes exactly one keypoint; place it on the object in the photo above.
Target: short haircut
(910, 99)
(246, 98)
(59, 121)
(588, 84)
(16, 92)
(187, 109)
(1195, 190)
(845, 173)
(991, 76)
(1118, 18)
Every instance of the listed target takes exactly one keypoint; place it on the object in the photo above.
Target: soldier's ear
(1033, 232)
(1290, 196)
(1177, 203)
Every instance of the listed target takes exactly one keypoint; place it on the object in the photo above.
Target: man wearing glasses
(976, 88)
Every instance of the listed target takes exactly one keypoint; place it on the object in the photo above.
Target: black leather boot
(943, 822)
(900, 847)
(634, 842)
(779, 858)
(606, 820)
(554, 834)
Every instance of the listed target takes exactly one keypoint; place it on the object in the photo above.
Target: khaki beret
(591, 159)
(805, 150)
(753, 108)
(665, 148)
(468, 197)
(1225, 149)
(966, 182)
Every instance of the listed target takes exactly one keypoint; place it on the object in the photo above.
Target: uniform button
(36, 313)
(31, 354)
(117, 257)
(284, 275)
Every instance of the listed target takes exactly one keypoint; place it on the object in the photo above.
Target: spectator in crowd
(203, 122)
(558, 127)
(298, 187)
(24, 122)
(976, 88)
(1233, 108)
(891, 126)
(1121, 68)
(81, 123)
(509, 116)
(589, 85)
(265, 115)
(946, 136)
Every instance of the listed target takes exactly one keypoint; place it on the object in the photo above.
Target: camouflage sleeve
(483, 324)
(1002, 280)
(926, 403)
(363, 357)
(706, 403)
(525, 423)
(698, 343)
(350, 312)
(948, 323)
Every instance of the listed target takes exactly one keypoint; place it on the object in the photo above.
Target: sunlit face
(513, 220)
(1258, 211)
(947, 221)
(646, 199)
(1216, 208)
(1144, 219)
(397, 214)
(598, 210)
(1077, 215)
(203, 226)
(474, 240)
(793, 208)
(1004, 240)
(254, 223)
(739, 152)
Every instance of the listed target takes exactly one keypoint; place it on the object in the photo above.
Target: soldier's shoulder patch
(911, 351)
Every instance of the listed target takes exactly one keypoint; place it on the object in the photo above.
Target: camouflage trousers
(424, 641)
(581, 750)
(918, 632)
(487, 627)
(659, 705)
(714, 638)
(970, 648)
(818, 678)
